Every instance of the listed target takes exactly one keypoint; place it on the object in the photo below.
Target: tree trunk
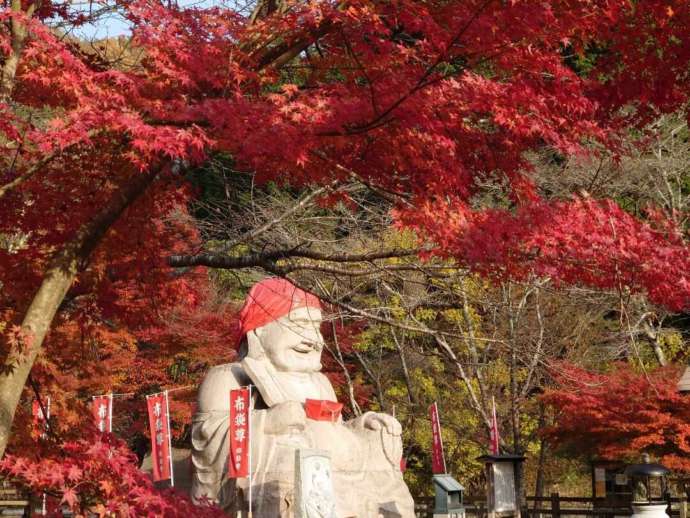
(19, 33)
(56, 282)
(515, 425)
(356, 410)
(411, 398)
(653, 336)
(541, 463)
(479, 406)
(374, 379)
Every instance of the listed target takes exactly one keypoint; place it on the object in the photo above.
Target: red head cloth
(270, 299)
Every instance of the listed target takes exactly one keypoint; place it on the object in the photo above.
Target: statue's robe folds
(365, 464)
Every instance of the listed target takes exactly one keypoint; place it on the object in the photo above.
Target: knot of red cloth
(271, 299)
(322, 409)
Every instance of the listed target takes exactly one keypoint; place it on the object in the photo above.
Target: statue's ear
(254, 348)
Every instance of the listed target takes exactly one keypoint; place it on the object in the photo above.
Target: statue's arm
(376, 421)
(214, 391)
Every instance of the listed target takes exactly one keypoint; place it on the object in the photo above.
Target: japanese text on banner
(238, 462)
(39, 418)
(102, 409)
(160, 435)
(438, 461)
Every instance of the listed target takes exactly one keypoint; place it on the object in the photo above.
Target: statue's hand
(286, 417)
(376, 421)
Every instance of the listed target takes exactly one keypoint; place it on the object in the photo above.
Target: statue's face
(294, 343)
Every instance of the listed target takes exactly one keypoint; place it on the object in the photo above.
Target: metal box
(449, 497)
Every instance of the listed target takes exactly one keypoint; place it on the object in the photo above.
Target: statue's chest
(301, 388)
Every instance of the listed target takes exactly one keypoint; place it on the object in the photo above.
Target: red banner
(102, 409)
(494, 438)
(438, 461)
(159, 425)
(41, 420)
(238, 462)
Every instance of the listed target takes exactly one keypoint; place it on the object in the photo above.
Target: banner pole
(46, 417)
(110, 414)
(170, 454)
(440, 439)
(249, 445)
(492, 431)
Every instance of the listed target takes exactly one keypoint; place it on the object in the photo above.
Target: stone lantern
(649, 485)
(502, 492)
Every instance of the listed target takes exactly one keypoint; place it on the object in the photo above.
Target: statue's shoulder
(228, 371)
(218, 381)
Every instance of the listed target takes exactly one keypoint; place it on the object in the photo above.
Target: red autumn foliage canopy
(583, 241)
(427, 99)
(475, 86)
(621, 414)
(422, 99)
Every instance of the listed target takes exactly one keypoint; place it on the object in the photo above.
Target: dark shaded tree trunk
(539, 483)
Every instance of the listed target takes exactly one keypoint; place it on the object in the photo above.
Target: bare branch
(269, 258)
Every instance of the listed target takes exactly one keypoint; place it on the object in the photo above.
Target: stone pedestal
(314, 497)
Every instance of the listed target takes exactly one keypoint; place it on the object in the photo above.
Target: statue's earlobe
(254, 348)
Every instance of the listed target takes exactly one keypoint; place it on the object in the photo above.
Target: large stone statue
(281, 358)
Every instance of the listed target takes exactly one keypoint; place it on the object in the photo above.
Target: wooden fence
(13, 502)
(556, 506)
(424, 507)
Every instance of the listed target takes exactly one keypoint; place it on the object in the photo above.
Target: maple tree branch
(281, 54)
(387, 194)
(370, 84)
(4, 189)
(422, 82)
(214, 260)
(289, 268)
(47, 159)
(268, 261)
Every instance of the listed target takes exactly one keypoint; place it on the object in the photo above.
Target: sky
(114, 25)
(107, 27)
